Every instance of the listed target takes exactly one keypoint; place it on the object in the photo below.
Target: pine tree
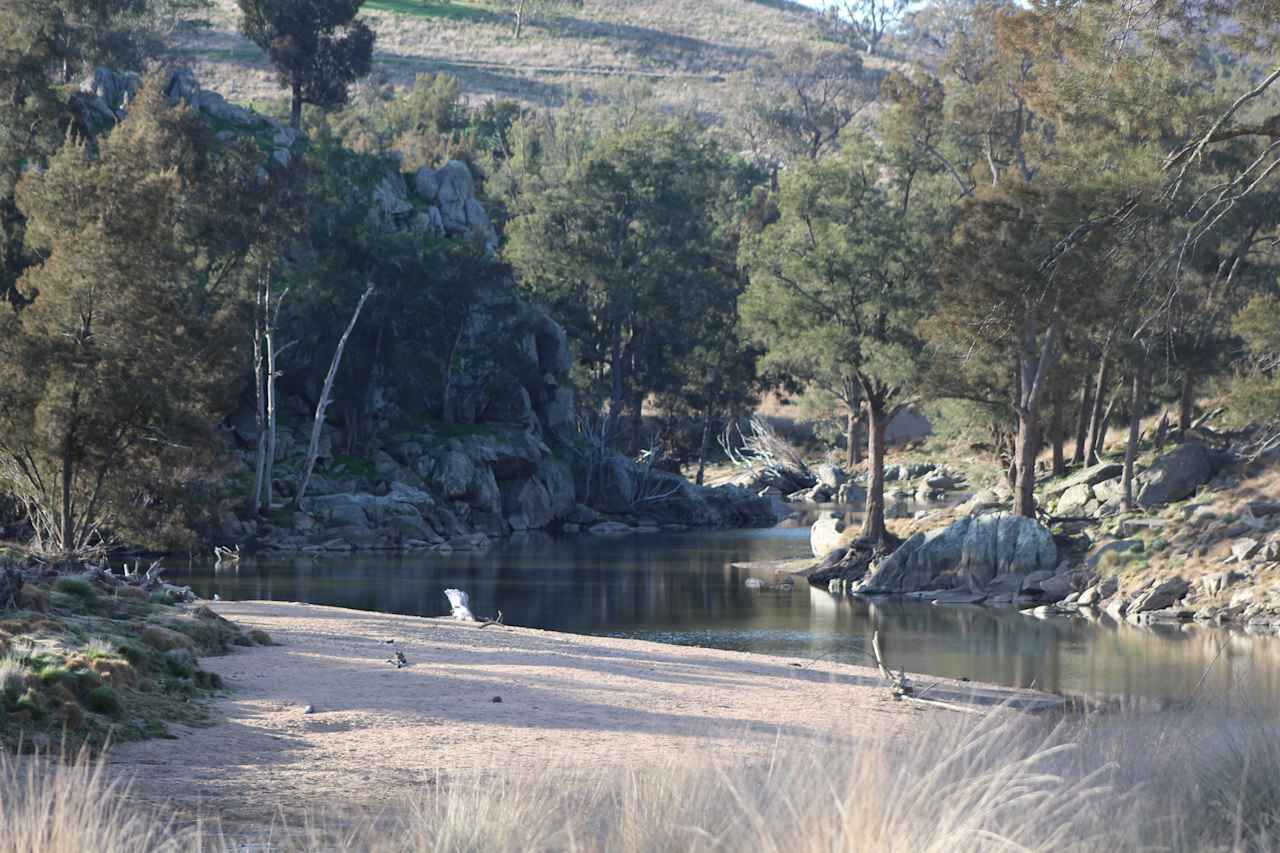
(319, 47)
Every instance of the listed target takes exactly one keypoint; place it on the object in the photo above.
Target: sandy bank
(568, 704)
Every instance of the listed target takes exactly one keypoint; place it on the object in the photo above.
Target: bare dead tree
(313, 449)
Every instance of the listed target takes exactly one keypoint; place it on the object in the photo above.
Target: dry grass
(684, 50)
(1202, 780)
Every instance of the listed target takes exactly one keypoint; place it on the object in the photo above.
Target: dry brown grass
(683, 50)
(1201, 780)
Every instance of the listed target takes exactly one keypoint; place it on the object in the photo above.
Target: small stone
(496, 699)
(309, 709)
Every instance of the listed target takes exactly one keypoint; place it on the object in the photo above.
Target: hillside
(684, 50)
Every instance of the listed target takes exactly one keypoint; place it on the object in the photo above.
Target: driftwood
(313, 449)
(902, 688)
(763, 452)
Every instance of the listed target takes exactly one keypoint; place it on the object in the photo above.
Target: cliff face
(498, 449)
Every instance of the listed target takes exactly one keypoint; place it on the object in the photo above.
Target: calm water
(680, 588)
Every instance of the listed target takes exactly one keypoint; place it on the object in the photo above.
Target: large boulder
(826, 533)
(1177, 474)
(971, 553)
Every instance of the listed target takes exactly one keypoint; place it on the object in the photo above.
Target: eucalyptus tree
(838, 283)
(624, 245)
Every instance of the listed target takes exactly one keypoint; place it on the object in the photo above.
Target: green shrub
(103, 700)
(79, 587)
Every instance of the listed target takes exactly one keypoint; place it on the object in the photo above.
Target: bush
(79, 587)
(103, 700)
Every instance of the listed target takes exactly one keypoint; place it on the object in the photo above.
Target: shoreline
(322, 717)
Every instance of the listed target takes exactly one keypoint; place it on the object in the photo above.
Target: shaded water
(681, 588)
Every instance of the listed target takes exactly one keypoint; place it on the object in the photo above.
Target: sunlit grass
(1002, 781)
(446, 10)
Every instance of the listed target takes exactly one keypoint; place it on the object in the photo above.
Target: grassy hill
(684, 50)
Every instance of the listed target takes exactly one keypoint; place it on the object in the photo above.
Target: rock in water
(971, 552)
(460, 602)
(825, 534)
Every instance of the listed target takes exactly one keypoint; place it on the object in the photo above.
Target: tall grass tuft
(71, 807)
(1172, 781)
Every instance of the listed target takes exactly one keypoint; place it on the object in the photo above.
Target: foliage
(428, 124)
(624, 244)
(129, 349)
(1255, 391)
(818, 93)
(319, 47)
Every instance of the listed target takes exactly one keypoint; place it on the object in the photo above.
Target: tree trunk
(519, 18)
(618, 388)
(851, 440)
(295, 109)
(259, 402)
(1082, 422)
(704, 447)
(873, 518)
(68, 477)
(1028, 445)
(1105, 426)
(1186, 402)
(1058, 432)
(1137, 404)
(314, 447)
(268, 487)
(1093, 448)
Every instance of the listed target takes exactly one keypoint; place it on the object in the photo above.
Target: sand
(374, 734)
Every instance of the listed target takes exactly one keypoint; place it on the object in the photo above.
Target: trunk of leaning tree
(1105, 426)
(1137, 404)
(1186, 402)
(704, 447)
(313, 448)
(877, 426)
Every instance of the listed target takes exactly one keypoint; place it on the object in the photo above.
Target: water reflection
(682, 588)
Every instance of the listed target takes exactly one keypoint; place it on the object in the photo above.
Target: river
(681, 588)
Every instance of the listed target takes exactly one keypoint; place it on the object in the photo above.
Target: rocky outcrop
(969, 553)
(453, 209)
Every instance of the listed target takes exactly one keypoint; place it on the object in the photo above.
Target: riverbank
(323, 716)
